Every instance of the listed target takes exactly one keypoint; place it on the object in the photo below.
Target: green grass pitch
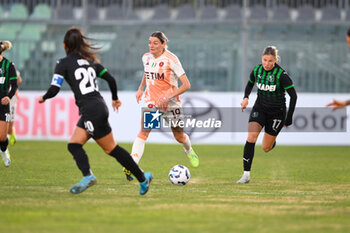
(293, 189)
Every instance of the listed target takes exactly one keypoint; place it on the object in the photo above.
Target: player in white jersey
(162, 70)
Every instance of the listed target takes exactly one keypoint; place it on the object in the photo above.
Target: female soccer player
(80, 68)
(13, 105)
(162, 69)
(8, 77)
(269, 110)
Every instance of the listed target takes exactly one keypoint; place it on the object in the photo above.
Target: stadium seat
(209, 12)
(114, 12)
(161, 12)
(18, 11)
(306, 13)
(331, 12)
(325, 32)
(132, 16)
(299, 32)
(65, 12)
(92, 12)
(31, 31)
(1, 12)
(258, 12)
(233, 12)
(186, 12)
(8, 31)
(281, 13)
(41, 11)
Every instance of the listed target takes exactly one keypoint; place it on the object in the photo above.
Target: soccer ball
(179, 175)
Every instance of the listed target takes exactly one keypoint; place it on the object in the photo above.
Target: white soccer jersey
(161, 76)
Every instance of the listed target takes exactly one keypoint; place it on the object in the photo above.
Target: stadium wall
(313, 123)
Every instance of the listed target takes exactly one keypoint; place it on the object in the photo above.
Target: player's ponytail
(272, 50)
(76, 43)
(5, 45)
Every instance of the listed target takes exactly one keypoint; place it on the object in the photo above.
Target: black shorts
(5, 112)
(94, 119)
(273, 122)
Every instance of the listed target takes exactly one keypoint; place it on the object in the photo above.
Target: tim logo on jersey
(151, 120)
(154, 76)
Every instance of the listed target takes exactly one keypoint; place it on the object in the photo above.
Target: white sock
(137, 149)
(187, 145)
(246, 173)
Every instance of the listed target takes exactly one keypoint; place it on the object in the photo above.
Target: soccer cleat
(13, 139)
(193, 158)
(6, 158)
(127, 174)
(144, 186)
(244, 180)
(85, 183)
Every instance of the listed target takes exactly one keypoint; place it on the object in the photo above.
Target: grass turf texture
(293, 189)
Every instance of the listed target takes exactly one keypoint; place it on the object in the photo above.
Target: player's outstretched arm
(292, 102)
(116, 104)
(51, 92)
(140, 90)
(336, 104)
(248, 89)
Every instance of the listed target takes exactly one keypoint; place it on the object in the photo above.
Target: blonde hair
(161, 36)
(5, 45)
(272, 50)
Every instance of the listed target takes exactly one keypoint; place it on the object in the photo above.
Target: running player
(13, 105)
(8, 77)
(80, 68)
(162, 69)
(336, 104)
(269, 110)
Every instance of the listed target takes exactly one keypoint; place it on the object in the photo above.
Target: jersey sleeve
(286, 81)
(58, 76)
(177, 68)
(144, 59)
(252, 77)
(100, 70)
(12, 72)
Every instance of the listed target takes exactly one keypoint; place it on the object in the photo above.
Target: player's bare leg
(269, 142)
(184, 139)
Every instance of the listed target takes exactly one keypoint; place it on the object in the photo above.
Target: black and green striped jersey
(7, 73)
(81, 76)
(271, 87)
